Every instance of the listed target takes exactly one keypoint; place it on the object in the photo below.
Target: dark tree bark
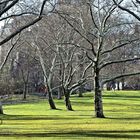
(68, 103)
(80, 94)
(108, 87)
(50, 98)
(25, 91)
(51, 102)
(67, 100)
(1, 109)
(80, 91)
(118, 85)
(98, 97)
(123, 85)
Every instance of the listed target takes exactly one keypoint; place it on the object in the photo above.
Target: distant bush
(6, 87)
(10, 87)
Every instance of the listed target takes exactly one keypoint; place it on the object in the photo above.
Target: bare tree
(47, 78)
(25, 65)
(59, 59)
(101, 14)
(47, 56)
(6, 8)
(69, 70)
(8, 5)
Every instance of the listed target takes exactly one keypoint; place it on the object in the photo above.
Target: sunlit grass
(37, 122)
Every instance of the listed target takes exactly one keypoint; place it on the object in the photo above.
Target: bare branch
(76, 45)
(138, 1)
(8, 54)
(121, 76)
(76, 30)
(119, 61)
(110, 11)
(127, 10)
(18, 15)
(85, 70)
(119, 46)
(8, 7)
(25, 26)
(69, 79)
(91, 59)
(81, 81)
(19, 30)
(92, 16)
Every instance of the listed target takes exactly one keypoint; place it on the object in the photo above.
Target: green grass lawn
(36, 121)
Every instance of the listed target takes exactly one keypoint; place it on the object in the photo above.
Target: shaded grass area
(36, 121)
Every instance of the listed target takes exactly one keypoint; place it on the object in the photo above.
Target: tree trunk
(25, 91)
(118, 85)
(51, 103)
(59, 97)
(108, 87)
(123, 84)
(98, 98)
(1, 109)
(50, 99)
(68, 103)
(67, 99)
(80, 94)
(80, 91)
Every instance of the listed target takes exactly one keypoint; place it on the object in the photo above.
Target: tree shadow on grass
(98, 134)
(125, 118)
(60, 117)
(116, 104)
(121, 96)
(38, 117)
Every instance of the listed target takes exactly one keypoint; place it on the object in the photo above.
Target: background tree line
(74, 44)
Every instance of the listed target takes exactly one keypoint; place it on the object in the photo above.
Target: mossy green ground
(35, 121)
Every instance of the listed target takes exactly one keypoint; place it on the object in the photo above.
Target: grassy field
(35, 121)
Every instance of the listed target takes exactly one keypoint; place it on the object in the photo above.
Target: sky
(32, 2)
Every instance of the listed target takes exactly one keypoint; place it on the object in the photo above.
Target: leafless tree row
(78, 42)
